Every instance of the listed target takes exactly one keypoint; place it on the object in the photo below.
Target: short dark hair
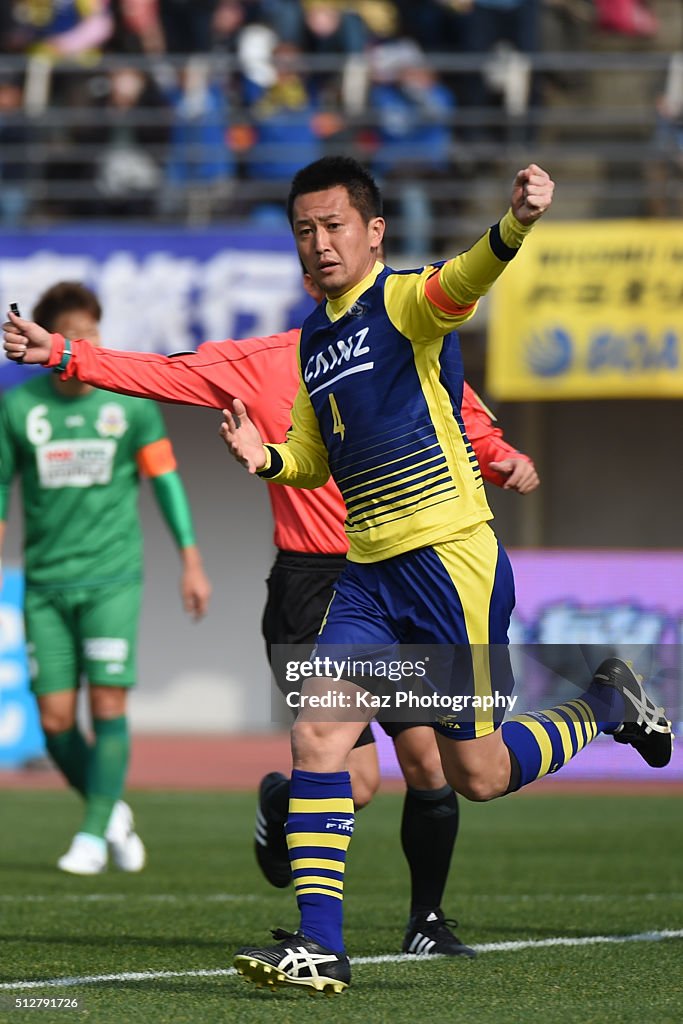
(65, 297)
(364, 195)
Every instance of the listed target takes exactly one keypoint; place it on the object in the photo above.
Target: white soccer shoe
(126, 848)
(87, 855)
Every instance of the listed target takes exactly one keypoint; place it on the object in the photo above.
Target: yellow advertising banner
(590, 310)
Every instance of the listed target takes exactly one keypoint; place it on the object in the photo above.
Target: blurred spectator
(379, 16)
(566, 25)
(505, 28)
(665, 170)
(332, 26)
(65, 28)
(283, 16)
(327, 27)
(127, 135)
(13, 141)
(137, 27)
(12, 37)
(322, 29)
(287, 125)
(483, 23)
(255, 46)
(283, 119)
(229, 18)
(414, 112)
(200, 164)
(433, 24)
(187, 25)
(627, 17)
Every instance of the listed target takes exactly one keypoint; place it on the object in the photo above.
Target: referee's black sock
(428, 832)
(278, 799)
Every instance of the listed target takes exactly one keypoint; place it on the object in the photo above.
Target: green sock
(71, 753)
(107, 767)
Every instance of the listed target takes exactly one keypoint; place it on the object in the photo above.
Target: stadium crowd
(192, 110)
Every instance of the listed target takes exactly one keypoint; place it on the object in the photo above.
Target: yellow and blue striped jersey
(379, 402)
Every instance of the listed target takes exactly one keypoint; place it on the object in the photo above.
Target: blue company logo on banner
(161, 290)
(550, 353)
(638, 351)
(21, 737)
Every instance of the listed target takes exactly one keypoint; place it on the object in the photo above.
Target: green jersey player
(79, 454)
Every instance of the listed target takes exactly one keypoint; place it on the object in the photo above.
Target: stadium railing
(609, 125)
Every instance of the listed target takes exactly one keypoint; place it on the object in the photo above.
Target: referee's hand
(521, 475)
(25, 341)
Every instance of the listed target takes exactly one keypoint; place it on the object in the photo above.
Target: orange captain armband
(157, 458)
(439, 298)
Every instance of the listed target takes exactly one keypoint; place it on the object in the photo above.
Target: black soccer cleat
(645, 726)
(295, 960)
(270, 842)
(429, 934)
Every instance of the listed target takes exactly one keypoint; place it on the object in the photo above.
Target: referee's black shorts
(300, 588)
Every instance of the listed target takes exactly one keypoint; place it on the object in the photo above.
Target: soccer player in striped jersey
(312, 545)
(379, 409)
(79, 454)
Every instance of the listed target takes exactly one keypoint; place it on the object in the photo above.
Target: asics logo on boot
(648, 712)
(299, 959)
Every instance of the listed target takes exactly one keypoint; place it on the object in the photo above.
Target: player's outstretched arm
(210, 377)
(26, 341)
(454, 290)
(242, 438)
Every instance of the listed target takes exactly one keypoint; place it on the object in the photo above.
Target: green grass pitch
(526, 870)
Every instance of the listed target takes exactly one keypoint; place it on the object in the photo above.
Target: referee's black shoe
(645, 725)
(270, 843)
(429, 934)
(295, 961)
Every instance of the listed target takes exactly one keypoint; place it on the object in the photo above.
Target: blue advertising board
(21, 737)
(163, 290)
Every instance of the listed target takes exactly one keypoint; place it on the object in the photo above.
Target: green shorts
(80, 632)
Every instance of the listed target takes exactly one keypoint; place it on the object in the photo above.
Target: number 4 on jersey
(337, 422)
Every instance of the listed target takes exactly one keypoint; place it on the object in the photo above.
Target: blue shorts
(458, 593)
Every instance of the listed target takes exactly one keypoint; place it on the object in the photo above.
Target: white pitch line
(387, 958)
(95, 979)
(119, 897)
(575, 897)
(228, 897)
(512, 946)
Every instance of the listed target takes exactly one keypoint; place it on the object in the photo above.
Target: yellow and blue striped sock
(319, 830)
(542, 742)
